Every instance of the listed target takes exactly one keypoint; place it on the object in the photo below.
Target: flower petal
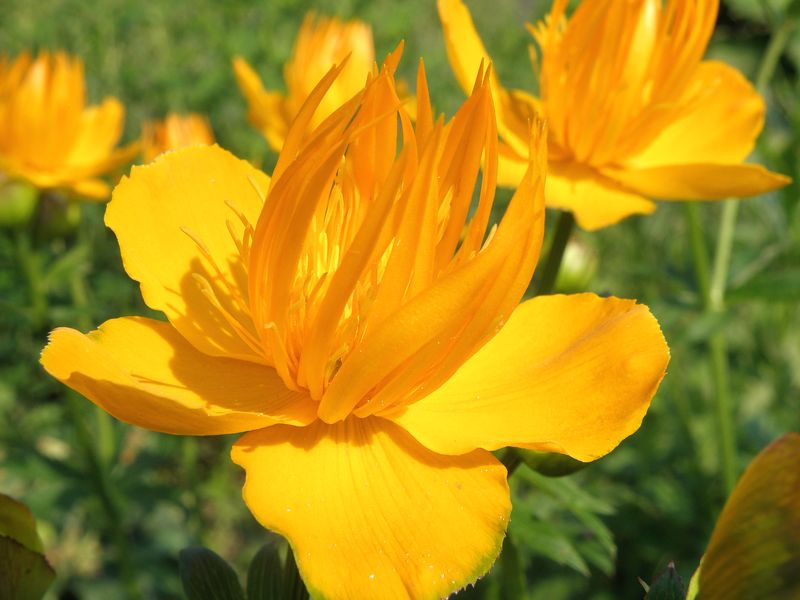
(143, 372)
(723, 117)
(372, 514)
(700, 181)
(572, 374)
(173, 219)
(266, 110)
(595, 201)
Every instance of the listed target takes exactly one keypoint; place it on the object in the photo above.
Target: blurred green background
(591, 535)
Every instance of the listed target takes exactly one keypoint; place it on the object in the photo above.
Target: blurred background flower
(48, 135)
(175, 131)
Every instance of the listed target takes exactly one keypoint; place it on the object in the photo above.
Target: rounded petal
(723, 116)
(571, 374)
(700, 181)
(595, 201)
(372, 514)
(143, 372)
(183, 223)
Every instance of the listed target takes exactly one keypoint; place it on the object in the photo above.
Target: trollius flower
(48, 135)
(633, 111)
(173, 132)
(321, 43)
(364, 330)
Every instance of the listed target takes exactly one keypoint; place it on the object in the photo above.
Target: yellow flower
(176, 131)
(321, 43)
(47, 134)
(364, 330)
(632, 110)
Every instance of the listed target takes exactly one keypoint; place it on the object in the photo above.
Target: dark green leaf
(668, 586)
(265, 575)
(293, 586)
(512, 575)
(205, 576)
(24, 573)
(551, 464)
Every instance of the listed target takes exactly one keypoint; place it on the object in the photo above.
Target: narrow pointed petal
(571, 374)
(143, 372)
(372, 514)
(595, 201)
(171, 219)
(266, 110)
(466, 53)
(700, 181)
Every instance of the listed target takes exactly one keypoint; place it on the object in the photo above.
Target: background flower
(48, 135)
(175, 131)
(632, 109)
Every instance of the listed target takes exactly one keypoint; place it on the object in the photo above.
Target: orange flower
(632, 109)
(321, 43)
(47, 134)
(364, 330)
(176, 131)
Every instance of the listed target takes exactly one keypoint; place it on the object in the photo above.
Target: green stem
(31, 269)
(547, 280)
(713, 290)
(718, 348)
(511, 460)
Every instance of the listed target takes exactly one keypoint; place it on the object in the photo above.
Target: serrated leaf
(548, 541)
(206, 575)
(17, 522)
(550, 464)
(668, 586)
(754, 551)
(24, 573)
(265, 575)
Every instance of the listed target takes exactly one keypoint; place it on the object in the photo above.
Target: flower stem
(713, 290)
(564, 227)
(717, 344)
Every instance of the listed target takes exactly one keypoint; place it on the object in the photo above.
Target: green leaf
(265, 575)
(551, 464)
(205, 575)
(24, 573)
(668, 586)
(512, 575)
(17, 522)
(777, 286)
(754, 551)
(293, 586)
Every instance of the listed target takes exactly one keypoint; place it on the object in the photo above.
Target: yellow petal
(144, 373)
(572, 374)
(372, 514)
(700, 181)
(596, 201)
(172, 220)
(722, 118)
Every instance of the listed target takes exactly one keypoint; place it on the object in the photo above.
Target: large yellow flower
(365, 331)
(174, 132)
(321, 43)
(633, 111)
(47, 134)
